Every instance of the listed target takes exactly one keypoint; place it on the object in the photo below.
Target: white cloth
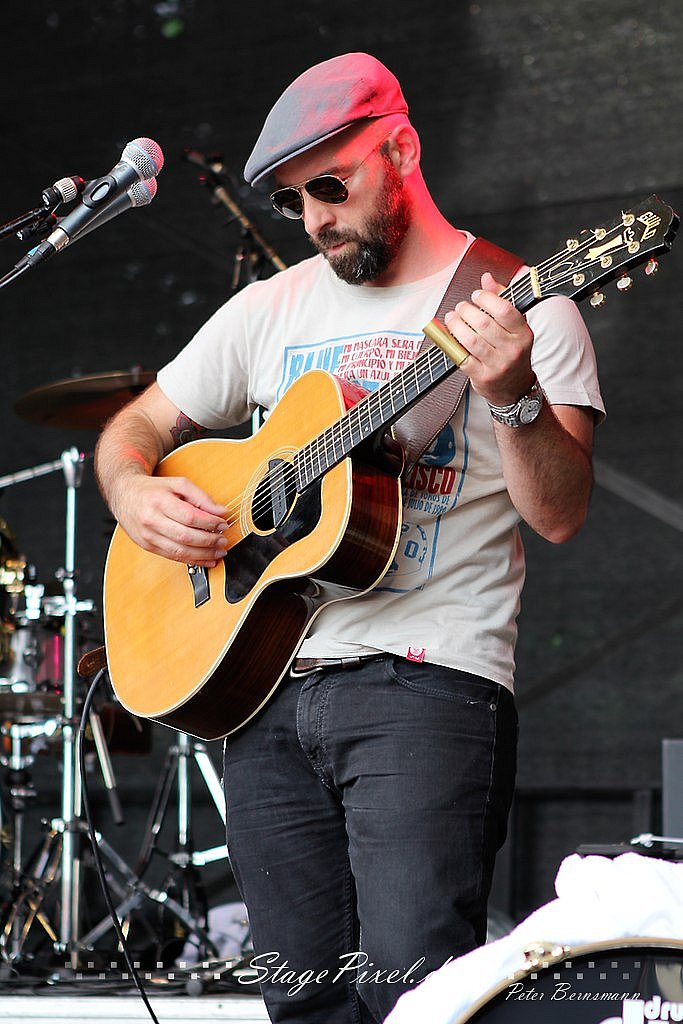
(598, 900)
(452, 594)
(228, 928)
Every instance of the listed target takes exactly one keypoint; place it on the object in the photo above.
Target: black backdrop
(537, 118)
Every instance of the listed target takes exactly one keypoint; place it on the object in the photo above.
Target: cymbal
(83, 403)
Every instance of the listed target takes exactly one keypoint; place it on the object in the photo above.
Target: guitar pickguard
(246, 562)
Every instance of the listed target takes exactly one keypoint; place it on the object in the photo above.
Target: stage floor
(104, 993)
(128, 1007)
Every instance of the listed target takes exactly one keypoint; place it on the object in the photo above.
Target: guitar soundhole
(250, 558)
(274, 496)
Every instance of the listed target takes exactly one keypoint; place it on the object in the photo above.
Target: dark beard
(373, 249)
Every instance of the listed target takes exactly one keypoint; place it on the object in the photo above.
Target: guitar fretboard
(379, 409)
(590, 259)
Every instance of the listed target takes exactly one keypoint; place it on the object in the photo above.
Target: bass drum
(626, 981)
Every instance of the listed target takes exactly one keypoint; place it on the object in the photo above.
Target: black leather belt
(306, 666)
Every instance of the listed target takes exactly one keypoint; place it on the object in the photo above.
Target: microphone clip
(39, 222)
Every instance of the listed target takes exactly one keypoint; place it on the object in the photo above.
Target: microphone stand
(215, 180)
(72, 464)
(32, 220)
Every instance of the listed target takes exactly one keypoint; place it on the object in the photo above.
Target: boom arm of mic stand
(215, 180)
(30, 219)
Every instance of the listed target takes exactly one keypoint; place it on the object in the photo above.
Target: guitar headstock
(597, 256)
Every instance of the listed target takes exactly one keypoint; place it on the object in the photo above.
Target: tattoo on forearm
(186, 430)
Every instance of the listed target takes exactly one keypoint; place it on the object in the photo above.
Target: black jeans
(365, 808)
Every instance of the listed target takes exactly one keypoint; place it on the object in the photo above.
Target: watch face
(530, 409)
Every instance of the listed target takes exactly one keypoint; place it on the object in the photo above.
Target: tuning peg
(624, 283)
(597, 299)
(651, 267)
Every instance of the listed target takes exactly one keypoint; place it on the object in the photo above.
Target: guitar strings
(318, 449)
(522, 290)
(560, 257)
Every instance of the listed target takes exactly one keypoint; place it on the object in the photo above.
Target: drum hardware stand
(71, 464)
(177, 768)
(133, 891)
(31, 882)
(21, 790)
(178, 759)
(648, 839)
(36, 880)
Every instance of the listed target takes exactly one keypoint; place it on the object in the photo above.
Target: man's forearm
(548, 471)
(129, 446)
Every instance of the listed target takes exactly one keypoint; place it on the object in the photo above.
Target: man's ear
(404, 149)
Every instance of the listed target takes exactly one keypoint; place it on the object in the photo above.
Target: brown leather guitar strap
(418, 428)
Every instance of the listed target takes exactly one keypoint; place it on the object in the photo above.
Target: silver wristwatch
(523, 411)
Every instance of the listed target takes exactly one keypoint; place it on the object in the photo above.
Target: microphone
(141, 161)
(140, 194)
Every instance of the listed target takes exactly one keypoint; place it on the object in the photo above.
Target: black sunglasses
(326, 188)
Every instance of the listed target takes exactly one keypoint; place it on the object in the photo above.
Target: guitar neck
(588, 260)
(381, 408)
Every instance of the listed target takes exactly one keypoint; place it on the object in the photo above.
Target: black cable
(13, 273)
(85, 714)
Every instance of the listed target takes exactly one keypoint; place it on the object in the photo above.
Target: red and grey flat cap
(321, 102)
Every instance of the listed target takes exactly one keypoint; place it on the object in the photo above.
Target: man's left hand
(499, 341)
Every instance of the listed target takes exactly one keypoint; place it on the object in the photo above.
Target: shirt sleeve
(563, 357)
(209, 378)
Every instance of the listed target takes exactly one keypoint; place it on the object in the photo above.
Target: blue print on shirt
(433, 486)
(367, 359)
(299, 361)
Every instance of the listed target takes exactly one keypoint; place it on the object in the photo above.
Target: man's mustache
(328, 237)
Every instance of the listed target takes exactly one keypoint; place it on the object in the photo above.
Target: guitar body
(202, 652)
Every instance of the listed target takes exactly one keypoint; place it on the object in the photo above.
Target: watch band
(523, 411)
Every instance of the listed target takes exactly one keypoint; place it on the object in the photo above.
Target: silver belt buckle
(310, 665)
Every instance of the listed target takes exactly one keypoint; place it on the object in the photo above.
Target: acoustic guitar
(314, 513)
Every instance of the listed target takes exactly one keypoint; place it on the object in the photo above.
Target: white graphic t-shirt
(452, 593)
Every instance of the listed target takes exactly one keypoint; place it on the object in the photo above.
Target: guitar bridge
(199, 578)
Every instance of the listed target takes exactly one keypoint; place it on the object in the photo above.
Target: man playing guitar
(368, 796)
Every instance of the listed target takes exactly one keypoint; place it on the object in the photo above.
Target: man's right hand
(171, 516)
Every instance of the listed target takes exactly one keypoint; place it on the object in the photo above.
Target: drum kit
(40, 704)
(40, 699)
